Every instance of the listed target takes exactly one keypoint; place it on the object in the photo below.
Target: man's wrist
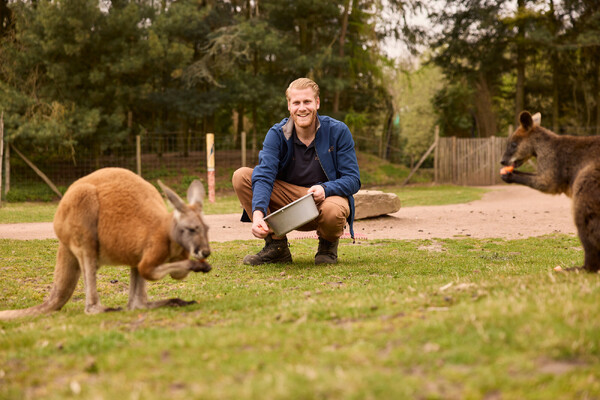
(258, 212)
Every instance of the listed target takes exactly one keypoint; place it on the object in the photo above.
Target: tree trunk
(5, 17)
(555, 71)
(336, 96)
(520, 94)
(485, 115)
(555, 96)
(596, 86)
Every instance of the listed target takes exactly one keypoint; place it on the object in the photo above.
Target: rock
(373, 203)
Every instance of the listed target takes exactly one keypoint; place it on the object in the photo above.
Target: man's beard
(306, 121)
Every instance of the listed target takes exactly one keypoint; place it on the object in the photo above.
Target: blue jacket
(335, 148)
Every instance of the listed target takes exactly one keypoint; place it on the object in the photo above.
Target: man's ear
(318, 102)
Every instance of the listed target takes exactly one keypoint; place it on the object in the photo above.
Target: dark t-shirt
(305, 168)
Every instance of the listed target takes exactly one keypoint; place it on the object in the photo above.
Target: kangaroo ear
(537, 119)
(526, 120)
(195, 193)
(173, 198)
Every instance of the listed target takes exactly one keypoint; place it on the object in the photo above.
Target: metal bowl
(293, 215)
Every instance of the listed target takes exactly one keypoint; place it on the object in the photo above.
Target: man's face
(303, 106)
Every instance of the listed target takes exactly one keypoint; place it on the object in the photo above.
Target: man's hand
(318, 193)
(260, 229)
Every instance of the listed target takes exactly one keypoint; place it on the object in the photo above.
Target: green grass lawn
(227, 203)
(424, 319)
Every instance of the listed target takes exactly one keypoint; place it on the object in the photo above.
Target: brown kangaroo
(114, 217)
(565, 164)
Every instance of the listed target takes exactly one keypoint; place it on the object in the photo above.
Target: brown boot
(275, 251)
(327, 252)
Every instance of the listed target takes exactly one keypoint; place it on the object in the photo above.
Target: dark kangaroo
(565, 164)
(114, 217)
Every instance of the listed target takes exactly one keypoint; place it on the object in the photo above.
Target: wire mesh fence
(156, 154)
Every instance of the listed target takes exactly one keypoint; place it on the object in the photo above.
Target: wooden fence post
(138, 154)
(7, 168)
(210, 165)
(436, 156)
(1, 151)
(244, 159)
(454, 161)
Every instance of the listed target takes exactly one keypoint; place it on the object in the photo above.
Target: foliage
(542, 56)
(413, 90)
(394, 319)
(78, 79)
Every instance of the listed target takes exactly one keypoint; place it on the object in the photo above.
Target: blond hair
(303, 83)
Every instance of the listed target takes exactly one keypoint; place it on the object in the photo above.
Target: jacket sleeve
(265, 173)
(347, 179)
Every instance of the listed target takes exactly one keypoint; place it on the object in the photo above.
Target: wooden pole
(210, 165)
(427, 153)
(436, 157)
(7, 168)
(138, 154)
(1, 151)
(37, 171)
(243, 148)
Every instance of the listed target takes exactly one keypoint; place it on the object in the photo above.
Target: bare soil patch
(507, 211)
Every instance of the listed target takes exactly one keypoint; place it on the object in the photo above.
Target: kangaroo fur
(565, 164)
(114, 217)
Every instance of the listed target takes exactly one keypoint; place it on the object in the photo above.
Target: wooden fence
(469, 162)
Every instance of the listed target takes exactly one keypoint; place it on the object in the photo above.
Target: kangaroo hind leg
(586, 210)
(66, 276)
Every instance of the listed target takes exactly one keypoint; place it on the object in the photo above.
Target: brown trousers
(333, 211)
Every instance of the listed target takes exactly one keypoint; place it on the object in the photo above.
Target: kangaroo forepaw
(508, 177)
(200, 266)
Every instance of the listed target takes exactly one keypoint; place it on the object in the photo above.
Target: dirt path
(508, 211)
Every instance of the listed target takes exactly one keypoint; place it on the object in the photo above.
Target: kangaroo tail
(66, 275)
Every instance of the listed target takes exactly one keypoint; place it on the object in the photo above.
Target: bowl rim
(288, 206)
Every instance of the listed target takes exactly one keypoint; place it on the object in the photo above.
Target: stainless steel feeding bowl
(293, 216)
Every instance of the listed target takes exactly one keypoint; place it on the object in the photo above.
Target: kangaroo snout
(201, 253)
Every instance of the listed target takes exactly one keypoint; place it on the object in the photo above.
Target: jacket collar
(288, 127)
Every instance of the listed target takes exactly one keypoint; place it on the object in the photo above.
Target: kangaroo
(114, 217)
(565, 164)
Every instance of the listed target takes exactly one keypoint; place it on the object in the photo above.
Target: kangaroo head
(189, 229)
(520, 147)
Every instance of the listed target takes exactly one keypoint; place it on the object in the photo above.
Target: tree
(472, 47)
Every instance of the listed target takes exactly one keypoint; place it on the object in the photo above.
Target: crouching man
(305, 153)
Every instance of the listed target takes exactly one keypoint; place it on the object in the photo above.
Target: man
(305, 153)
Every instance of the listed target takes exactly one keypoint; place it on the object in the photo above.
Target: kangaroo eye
(513, 145)
(191, 230)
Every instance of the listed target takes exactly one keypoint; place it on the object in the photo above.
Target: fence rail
(457, 161)
(469, 162)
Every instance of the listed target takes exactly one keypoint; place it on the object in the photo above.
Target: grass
(426, 319)
(227, 203)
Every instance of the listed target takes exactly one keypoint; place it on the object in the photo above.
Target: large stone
(373, 203)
